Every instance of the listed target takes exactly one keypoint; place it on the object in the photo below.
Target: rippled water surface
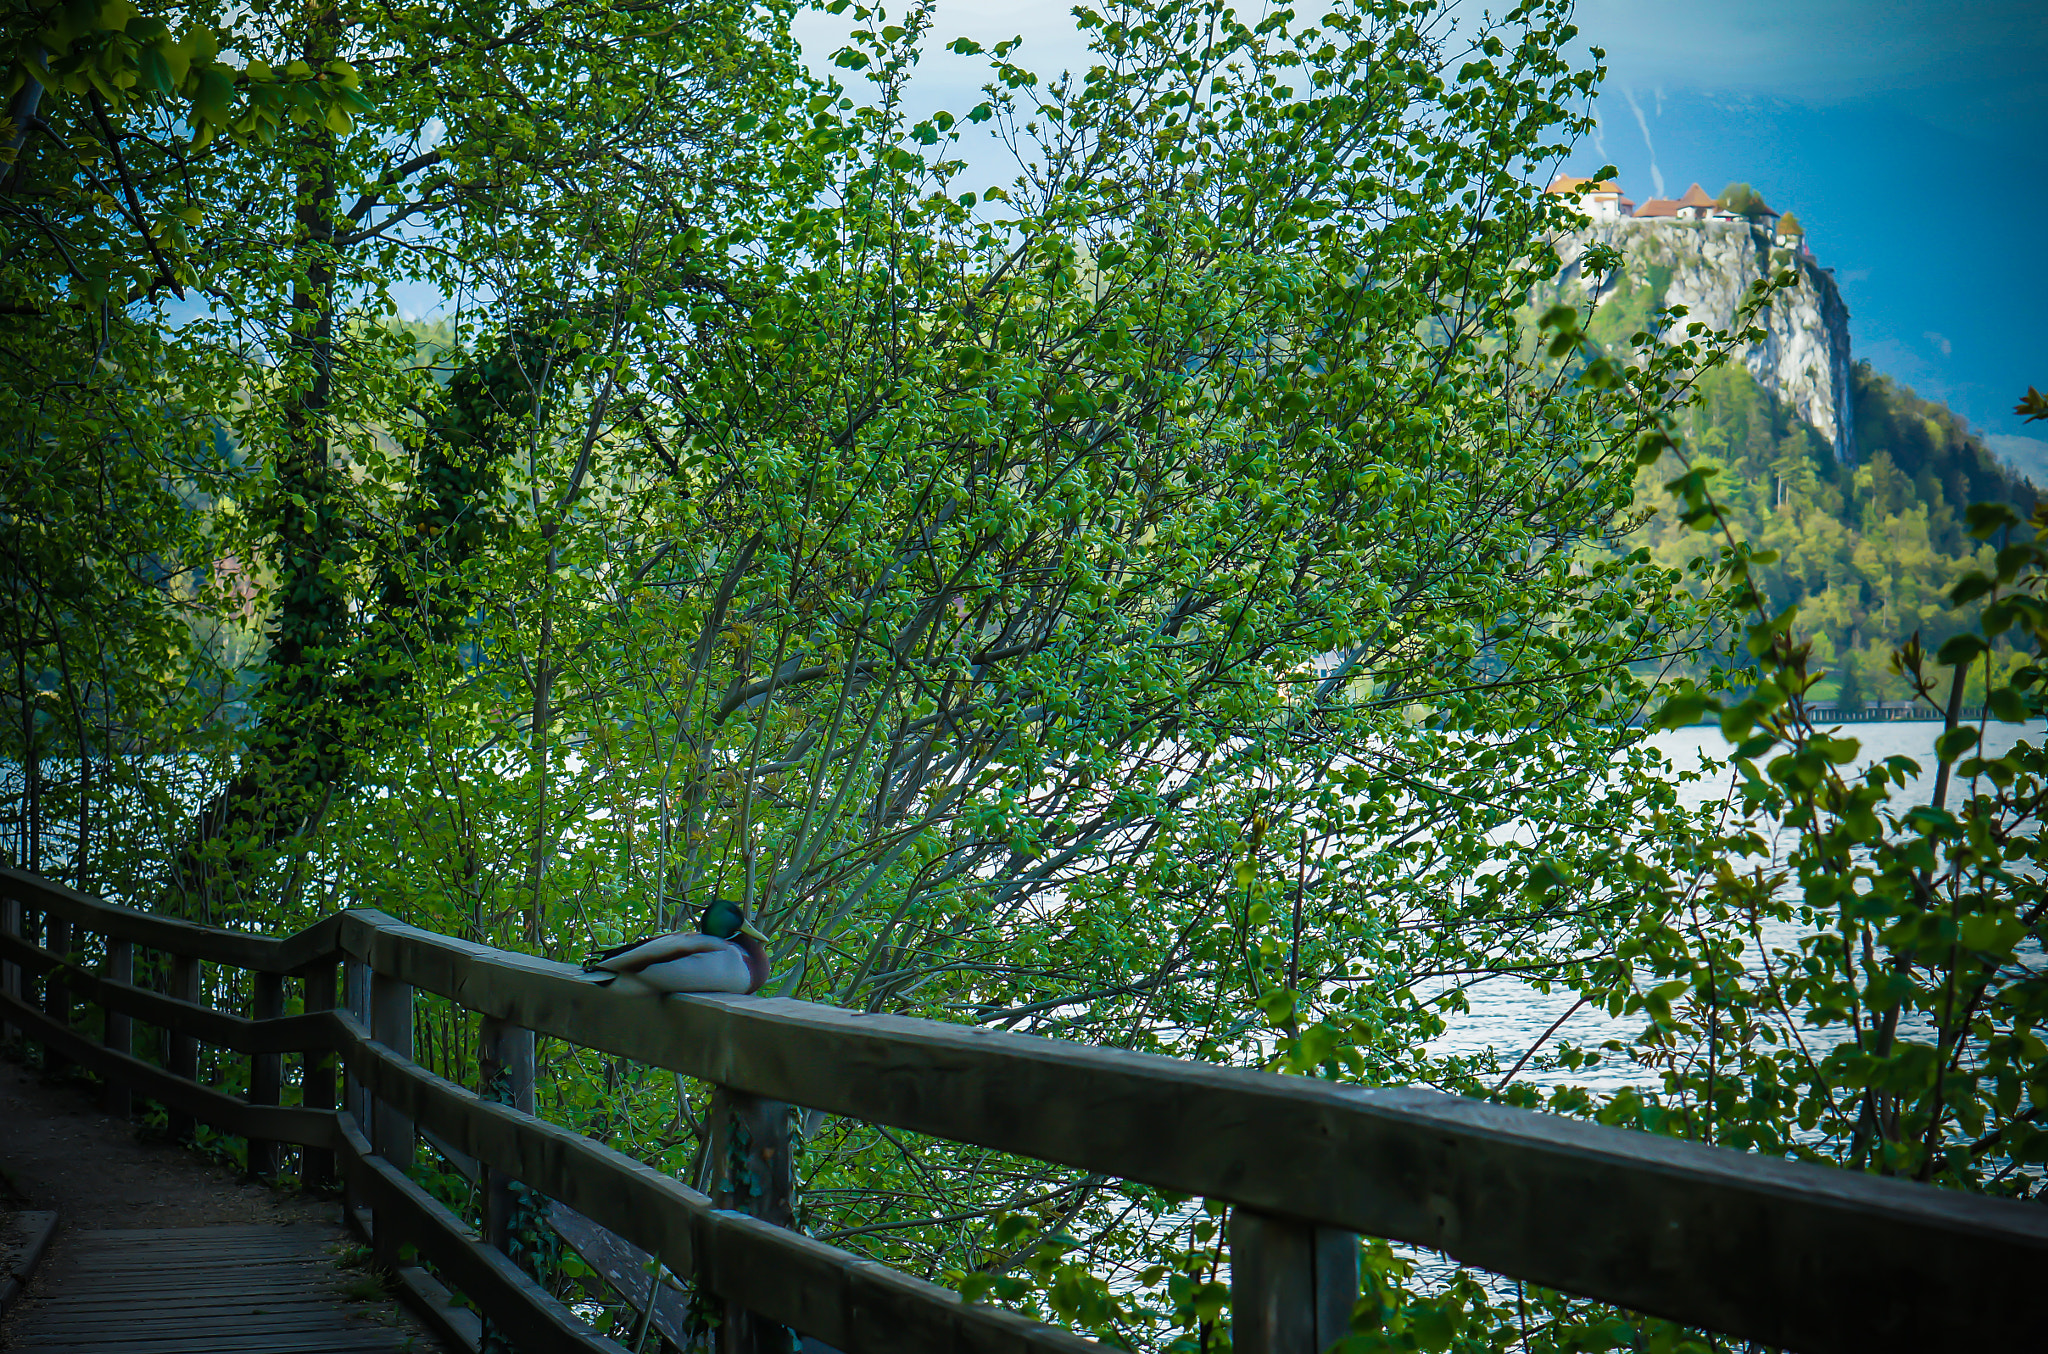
(1508, 1016)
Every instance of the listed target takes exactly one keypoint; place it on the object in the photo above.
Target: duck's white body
(686, 963)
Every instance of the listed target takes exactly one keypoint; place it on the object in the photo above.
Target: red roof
(1695, 196)
(1658, 206)
(1565, 184)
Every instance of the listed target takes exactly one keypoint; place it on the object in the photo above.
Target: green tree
(509, 162)
(1128, 604)
(1743, 200)
(1160, 601)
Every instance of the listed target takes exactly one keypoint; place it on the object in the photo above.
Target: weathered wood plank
(117, 1033)
(626, 1268)
(317, 1085)
(190, 1272)
(750, 1173)
(257, 1282)
(805, 1284)
(266, 1070)
(210, 943)
(293, 1232)
(285, 1123)
(56, 991)
(143, 1322)
(1733, 1242)
(459, 1329)
(11, 917)
(505, 1066)
(189, 1269)
(1292, 1285)
(310, 1299)
(535, 1322)
(329, 1342)
(213, 1269)
(181, 1048)
(286, 1034)
(161, 1291)
(391, 1017)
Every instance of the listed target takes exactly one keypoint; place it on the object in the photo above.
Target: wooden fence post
(183, 1059)
(504, 1061)
(56, 992)
(391, 1024)
(355, 1096)
(355, 998)
(118, 1033)
(266, 1070)
(505, 1073)
(316, 1079)
(1292, 1284)
(12, 921)
(750, 1173)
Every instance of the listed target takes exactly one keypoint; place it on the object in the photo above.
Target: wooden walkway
(197, 1290)
(1778, 1253)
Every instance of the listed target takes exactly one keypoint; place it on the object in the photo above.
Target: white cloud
(1940, 341)
(1984, 57)
(1656, 174)
(2028, 455)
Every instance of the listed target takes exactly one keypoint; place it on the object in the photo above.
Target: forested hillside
(1867, 551)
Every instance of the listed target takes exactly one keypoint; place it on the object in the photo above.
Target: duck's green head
(726, 918)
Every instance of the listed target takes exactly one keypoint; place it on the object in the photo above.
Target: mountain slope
(1869, 549)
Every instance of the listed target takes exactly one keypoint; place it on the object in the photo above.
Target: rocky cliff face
(1707, 267)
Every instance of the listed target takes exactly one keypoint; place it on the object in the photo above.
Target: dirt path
(58, 1150)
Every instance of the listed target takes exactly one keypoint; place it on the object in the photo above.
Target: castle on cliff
(1707, 254)
(1604, 201)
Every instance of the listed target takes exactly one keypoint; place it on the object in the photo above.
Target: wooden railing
(1801, 1257)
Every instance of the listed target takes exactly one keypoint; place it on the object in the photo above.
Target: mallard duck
(725, 954)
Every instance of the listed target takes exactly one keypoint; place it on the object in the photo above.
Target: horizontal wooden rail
(497, 1285)
(213, 945)
(281, 1123)
(621, 1265)
(1733, 1242)
(1787, 1254)
(284, 1034)
(816, 1288)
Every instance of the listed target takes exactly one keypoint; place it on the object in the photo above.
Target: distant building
(1696, 205)
(1601, 201)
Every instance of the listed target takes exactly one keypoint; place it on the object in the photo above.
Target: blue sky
(1910, 137)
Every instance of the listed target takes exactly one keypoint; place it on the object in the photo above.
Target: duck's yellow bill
(748, 928)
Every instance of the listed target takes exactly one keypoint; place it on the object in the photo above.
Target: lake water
(1508, 1016)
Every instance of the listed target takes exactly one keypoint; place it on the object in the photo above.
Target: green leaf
(1960, 650)
(1688, 706)
(1986, 519)
(1954, 743)
(154, 72)
(1971, 586)
(2006, 704)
